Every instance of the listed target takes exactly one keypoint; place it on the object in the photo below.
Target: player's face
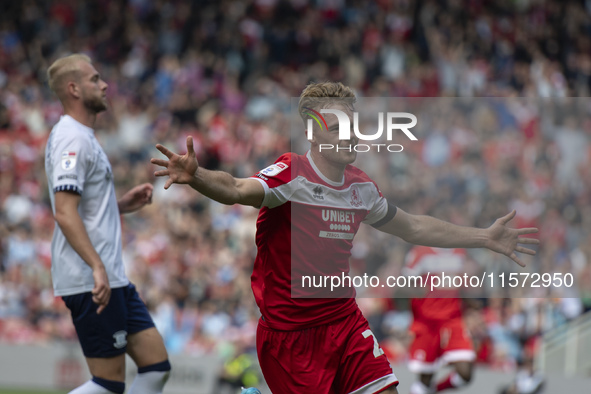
(94, 89)
(327, 142)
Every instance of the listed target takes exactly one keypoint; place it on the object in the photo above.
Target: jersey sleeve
(277, 181)
(70, 160)
(381, 211)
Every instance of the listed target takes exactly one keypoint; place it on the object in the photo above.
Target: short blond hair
(65, 69)
(318, 95)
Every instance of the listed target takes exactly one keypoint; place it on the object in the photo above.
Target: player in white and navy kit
(87, 267)
(311, 208)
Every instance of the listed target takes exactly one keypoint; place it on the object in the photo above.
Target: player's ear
(315, 132)
(311, 140)
(73, 89)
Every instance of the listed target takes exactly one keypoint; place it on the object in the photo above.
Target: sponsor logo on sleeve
(67, 176)
(274, 169)
(68, 160)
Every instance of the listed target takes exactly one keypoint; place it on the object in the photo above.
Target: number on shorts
(377, 350)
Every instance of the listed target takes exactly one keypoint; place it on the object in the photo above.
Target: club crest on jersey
(68, 160)
(120, 339)
(274, 169)
(355, 197)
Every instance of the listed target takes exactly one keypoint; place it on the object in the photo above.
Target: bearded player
(322, 345)
(86, 259)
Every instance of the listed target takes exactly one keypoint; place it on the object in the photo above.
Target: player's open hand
(505, 240)
(136, 198)
(179, 169)
(101, 293)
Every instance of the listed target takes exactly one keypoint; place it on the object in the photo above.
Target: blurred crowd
(224, 72)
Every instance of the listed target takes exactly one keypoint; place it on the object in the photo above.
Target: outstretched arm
(217, 185)
(429, 231)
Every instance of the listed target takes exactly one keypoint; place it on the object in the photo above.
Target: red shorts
(436, 344)
(341, 357)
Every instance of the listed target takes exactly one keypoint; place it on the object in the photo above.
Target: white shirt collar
(317, 171)
(82, 126)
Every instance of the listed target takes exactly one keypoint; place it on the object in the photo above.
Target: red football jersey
(441, 304)
(306, 227)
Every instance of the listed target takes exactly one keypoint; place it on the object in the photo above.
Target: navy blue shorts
(105, 335)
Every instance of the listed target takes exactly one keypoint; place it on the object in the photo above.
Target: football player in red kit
(440, 336)
(311, 206)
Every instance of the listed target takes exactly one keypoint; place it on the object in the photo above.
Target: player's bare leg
(146, 347)
(111, 368)
(147, 350)
(426, 379)
(460, 377)
(391, 390)
(108, 376)
(422, 385)
(464, 369)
